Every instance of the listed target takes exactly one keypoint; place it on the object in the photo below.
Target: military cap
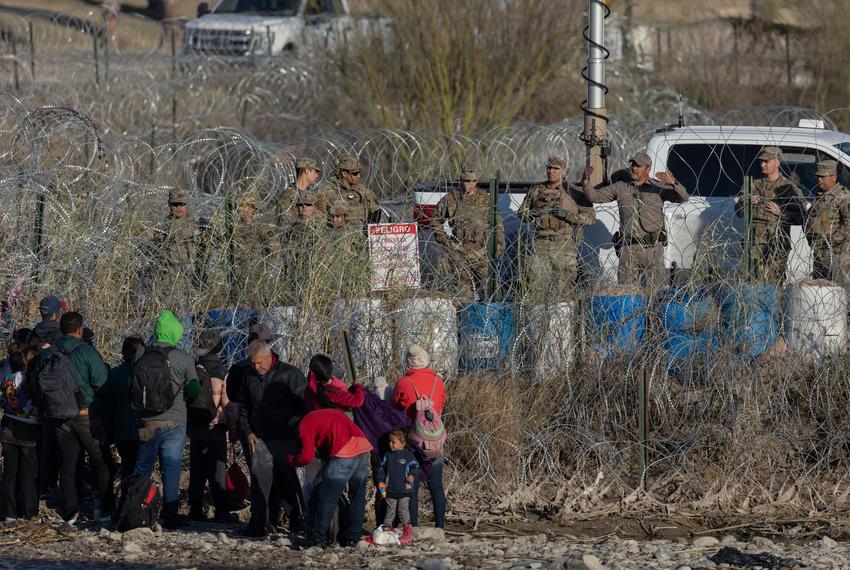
(340, 208)
(306, 199)
(771, 153)
(178, 195)
(347, 162)
(827, 168)
(303, 163)
(557, 161)
(470, 171)
(641, 159)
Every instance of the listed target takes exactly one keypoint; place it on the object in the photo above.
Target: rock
(104, 533)
(828, 542)
(763, 542)
(363, 545)
(578, 562)
(223, 538)
(683, 568)
(429, 533)
(142, 533)
(729, 539)
(435, 564)
(663, 553)
(706, 541)
(132, 548)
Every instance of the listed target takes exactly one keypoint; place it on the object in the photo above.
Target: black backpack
(202, 409)
(139, 504)
(152, 391)
(59, 396)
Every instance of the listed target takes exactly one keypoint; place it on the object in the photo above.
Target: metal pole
(173, 90)
(349, 360)
(643, 425)
(269, 41)
(243, 118)
(788, 56)
(96, 61)
(106, 60)
(15, 63)
(32, 50)
(492, 262)
(595, 113)
(748, 228)
(39, 221)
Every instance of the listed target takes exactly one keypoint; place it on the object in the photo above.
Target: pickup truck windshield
(277, 7)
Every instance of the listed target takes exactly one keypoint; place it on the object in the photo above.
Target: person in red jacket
(337, 439)
(419, 380)
(326, 391)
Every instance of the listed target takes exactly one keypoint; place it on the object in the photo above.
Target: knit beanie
(417, 357)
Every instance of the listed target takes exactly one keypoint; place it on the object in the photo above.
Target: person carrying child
(396, 475)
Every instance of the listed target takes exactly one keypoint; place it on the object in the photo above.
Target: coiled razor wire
(86, 164)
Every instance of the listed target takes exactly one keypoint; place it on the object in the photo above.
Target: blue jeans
(338, 473)
(438, 495)
(168, 444)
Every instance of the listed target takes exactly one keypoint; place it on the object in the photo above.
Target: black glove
(560, 213)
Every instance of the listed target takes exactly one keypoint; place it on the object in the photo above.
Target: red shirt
(332, 433)
(404, 397)
(337, 392)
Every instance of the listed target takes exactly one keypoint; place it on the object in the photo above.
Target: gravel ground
(55, 545)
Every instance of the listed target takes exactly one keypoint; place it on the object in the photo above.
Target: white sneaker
(73, 520)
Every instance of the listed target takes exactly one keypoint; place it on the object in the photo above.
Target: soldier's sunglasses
(354, 172)
(177, 204)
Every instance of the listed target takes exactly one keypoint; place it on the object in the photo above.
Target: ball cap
(178, 196)
(641, 159)
(470, 171)
(771, 153)
(348, 162)
(51, 305)
(557, 161)
(304, 163)
(827, 168)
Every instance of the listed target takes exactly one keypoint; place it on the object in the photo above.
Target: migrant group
(70, 422)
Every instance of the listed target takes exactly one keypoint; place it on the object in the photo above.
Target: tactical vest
(641, 212)
(469, 222)
(825, 216)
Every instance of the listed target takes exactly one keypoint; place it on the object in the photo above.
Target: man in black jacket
(271, 403)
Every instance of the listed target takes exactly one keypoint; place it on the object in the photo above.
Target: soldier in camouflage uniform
(176, 242)
(363, 206)
(256, 250)
(467, 212)
(640, 202)
(307, 174)
(828, 227)
(777, 204)
(551, 270)
(348, 236)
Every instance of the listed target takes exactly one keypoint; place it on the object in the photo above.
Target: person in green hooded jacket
(164, 435)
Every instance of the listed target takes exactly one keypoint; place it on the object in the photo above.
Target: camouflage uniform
(552, 268)
(285, 211)
(348, 237)
(771, 233)
(307, 250)
(176, 241)
(256, 250)
(466, 248)
(827, 228)
(642, 232)
(363, 204)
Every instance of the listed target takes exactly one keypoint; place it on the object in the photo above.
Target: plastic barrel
(549, 329)
(815, 323)
(749, 315)
(486, 335)
(431, 323)
(232, 325)
(688, 321)
(617, 322)
(369, 335)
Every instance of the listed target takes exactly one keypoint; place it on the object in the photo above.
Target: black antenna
(681, 112)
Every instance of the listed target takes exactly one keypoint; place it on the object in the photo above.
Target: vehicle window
(262, 6)
(316, 7)
(718, 170)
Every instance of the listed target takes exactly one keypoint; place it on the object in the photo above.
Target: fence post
(748, 228)
(269, 41)
(32, 50)
(96, 61)
(173, 91)
(643, 425)
(492, 262)
(15, 63)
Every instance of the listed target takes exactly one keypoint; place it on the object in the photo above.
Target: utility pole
(595, 113)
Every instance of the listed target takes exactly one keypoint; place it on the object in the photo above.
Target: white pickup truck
(711, 162)
(249, 30)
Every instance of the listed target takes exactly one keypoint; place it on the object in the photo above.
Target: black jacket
(272, 406)
(45, 332)
(395, 467)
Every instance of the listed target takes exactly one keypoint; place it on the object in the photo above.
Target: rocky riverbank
(47, 545)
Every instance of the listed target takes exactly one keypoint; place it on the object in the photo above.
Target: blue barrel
(617, 322)
(688, 321)
(749, 316)
(486, 332)
(232, 325)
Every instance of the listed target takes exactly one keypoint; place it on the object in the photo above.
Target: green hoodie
(168, 329)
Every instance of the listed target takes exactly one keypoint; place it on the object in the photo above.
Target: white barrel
(431, 323)
(369, 334)
(295, 337)
(815, 322)
(549, 329)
